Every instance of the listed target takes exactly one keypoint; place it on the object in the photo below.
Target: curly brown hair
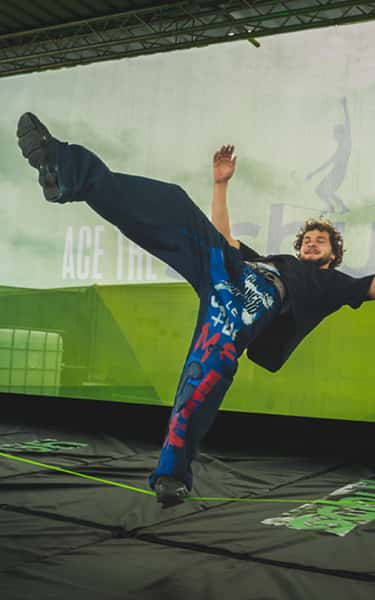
(335, 237)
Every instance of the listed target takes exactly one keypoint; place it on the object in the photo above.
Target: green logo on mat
(339, 513)
(47, 445)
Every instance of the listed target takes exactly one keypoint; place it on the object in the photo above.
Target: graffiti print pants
(236, 302)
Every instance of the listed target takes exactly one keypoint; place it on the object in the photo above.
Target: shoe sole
(170, 498)
(169, 501)
(33, 140)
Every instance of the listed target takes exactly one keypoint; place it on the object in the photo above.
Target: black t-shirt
(313, 294)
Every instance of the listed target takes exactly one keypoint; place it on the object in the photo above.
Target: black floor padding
(66, 537)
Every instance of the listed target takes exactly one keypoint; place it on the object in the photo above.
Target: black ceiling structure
(38, 35)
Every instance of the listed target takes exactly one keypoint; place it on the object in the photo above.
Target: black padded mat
(132, 569)
(27, 538)
(64, 536)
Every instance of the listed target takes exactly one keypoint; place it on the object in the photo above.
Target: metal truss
(166, 27)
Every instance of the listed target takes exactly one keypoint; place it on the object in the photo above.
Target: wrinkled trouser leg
(160, 217)
(235, 302)
(231, 315)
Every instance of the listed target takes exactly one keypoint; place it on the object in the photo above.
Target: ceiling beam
(166, 27)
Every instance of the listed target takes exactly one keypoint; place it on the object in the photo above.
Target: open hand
(224, 164)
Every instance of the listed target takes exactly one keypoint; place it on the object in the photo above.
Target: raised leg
(158, 216)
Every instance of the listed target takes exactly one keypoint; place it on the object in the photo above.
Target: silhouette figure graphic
(327, 188)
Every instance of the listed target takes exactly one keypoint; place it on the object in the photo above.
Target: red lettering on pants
(173, 436)
(178, 423)
(206, 343)
(228, 351)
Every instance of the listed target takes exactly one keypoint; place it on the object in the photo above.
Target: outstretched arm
(224, 164)
(344, 104)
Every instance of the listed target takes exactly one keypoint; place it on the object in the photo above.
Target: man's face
(316, 247)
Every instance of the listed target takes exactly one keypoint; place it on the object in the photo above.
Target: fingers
(225, 152)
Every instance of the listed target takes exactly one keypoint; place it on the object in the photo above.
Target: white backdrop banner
(300, 111)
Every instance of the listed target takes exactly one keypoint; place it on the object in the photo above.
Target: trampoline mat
(295, 527)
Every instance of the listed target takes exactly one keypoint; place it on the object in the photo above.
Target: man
(263, 304)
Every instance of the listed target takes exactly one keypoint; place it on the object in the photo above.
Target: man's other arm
(224, 164)
(371, 292)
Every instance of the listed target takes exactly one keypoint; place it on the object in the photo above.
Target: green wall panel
(128, 343)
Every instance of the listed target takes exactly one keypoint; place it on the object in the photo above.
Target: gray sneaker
(39, 147)
(170, 491)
